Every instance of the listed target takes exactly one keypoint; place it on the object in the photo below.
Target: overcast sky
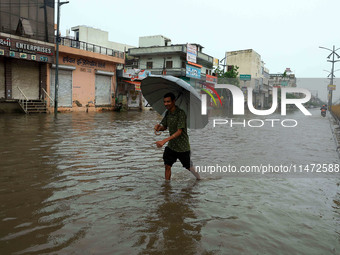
(285, 33)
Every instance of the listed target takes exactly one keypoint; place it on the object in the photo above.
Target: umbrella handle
(158, 132)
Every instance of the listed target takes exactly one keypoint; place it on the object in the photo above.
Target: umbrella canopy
(154, 87)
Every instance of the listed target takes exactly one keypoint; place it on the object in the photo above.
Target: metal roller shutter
(65, 87)
(25, 75)
(103, 90)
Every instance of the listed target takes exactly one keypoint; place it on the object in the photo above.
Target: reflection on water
(174, 224)
(93, 184)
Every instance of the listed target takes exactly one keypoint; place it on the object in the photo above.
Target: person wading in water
(178, 147)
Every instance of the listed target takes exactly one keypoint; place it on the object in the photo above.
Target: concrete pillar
(8, 79)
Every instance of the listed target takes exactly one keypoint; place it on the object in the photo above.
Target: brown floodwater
(92, 183)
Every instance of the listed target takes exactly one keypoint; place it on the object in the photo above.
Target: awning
(105, 73)
(134, 82)
(64, 67)
(194, 64)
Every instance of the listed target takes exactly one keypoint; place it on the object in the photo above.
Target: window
(76, 35)
(148, 65)
(168, 64)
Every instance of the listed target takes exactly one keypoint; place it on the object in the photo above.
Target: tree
(229, 77)
(231, 72)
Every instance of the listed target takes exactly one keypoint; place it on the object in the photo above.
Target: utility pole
(330, 91)
(224, 65)
(56, 84)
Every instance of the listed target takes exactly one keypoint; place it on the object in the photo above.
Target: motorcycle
(323, 112)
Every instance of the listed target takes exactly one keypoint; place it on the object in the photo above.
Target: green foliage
(229, 77)
(291, 96)
(232, 73)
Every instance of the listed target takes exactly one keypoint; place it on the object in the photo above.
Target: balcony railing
(90, 47)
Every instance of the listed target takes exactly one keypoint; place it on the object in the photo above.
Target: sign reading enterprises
(14, 48)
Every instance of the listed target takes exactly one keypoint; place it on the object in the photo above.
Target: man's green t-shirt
(174, 121)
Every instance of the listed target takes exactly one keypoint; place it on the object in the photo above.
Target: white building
(157, 55)
(97, 37)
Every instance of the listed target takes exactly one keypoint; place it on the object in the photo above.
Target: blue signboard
(193, 72)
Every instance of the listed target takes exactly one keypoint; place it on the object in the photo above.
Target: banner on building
(191, 53)
(216, 63)
(193, 72)
(135, 74)
(133, 98)
(137, 87)
(211, 79)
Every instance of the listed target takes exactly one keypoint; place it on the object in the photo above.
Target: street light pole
(330, 92)
(56, 83)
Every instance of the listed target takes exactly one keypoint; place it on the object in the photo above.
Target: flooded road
(93, 184)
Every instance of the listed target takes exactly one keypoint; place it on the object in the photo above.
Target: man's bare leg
(193, 171)
(167, 172)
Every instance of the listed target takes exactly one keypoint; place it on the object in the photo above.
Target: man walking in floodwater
(178, 147)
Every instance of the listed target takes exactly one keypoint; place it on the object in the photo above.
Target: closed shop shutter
(25, 75)
(2, 79)
(103, 90)
(65, 87)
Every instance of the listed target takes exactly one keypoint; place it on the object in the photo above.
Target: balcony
(90, 47)
(179, 49)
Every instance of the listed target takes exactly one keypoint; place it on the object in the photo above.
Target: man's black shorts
(170, 157)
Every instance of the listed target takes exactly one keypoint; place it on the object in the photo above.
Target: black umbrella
(154, 87)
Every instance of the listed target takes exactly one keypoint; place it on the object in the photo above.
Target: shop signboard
(26, 50)
(211, 79)
(193, 72)
(135, 74)
(331, 87)
(245, 77)
(191, 53)
(215, 62)
(134, 99)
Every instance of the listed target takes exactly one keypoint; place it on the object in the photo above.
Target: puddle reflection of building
(175, 229)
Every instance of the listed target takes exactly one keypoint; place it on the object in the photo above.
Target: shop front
(24, 66)
(129, 91)
(87, 81)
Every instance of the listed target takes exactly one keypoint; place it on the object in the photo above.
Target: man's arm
(160, 127)
(175, 135)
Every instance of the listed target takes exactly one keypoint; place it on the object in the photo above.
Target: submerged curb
(335, 127)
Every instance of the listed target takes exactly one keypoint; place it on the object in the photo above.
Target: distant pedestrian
(178, 147)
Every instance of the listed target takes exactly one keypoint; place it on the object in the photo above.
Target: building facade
(251, 65)
(87, 74)
(96, 36)
(157, 55)
(286, 79)
(26, 50)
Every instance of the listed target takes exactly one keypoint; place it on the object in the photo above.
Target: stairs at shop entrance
(33, 106)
